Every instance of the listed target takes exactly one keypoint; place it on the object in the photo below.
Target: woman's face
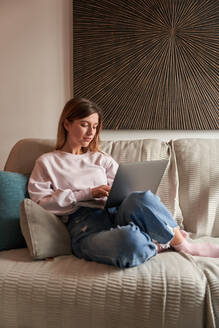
(82, 131)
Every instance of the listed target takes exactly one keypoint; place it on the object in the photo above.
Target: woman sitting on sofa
(74, 180)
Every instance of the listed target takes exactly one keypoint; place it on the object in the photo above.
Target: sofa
(43, 285)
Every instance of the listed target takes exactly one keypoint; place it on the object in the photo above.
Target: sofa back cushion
(148, 150)
(23, 155)
(25, 152)
(136, 150)
(198, 169)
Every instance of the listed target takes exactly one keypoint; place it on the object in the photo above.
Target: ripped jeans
(121, 236)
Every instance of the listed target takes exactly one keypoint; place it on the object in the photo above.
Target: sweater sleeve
(111, 171)
(57, 201)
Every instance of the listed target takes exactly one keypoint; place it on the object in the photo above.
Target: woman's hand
(100, 191)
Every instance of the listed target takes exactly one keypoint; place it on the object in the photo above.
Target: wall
(35, 66)
(36, 73)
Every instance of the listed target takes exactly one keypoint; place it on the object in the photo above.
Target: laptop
(137, 176)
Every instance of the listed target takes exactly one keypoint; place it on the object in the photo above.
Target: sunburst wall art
(149, 64)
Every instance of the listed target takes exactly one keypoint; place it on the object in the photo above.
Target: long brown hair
(77, 108)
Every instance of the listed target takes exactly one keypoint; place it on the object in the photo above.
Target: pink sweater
(61, 182)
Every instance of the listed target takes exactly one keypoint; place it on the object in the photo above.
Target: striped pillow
(198, 169)
(150, 149)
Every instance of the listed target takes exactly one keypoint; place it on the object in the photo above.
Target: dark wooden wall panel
(149, 64)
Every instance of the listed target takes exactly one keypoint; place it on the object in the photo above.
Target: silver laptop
(137, 176)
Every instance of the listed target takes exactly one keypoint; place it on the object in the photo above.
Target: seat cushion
(66, 290)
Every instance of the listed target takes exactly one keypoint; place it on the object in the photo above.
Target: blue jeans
(121, 236)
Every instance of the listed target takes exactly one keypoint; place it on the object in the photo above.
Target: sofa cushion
(45, 234)
(25, 152)
(147, 150)
(167, 291)
(198, 169)
(121, 151)
(13, 189)
(136, 150)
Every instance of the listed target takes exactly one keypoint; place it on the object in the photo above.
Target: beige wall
(36, 73)
(35, 68)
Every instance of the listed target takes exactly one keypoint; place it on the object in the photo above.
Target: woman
(75, 180)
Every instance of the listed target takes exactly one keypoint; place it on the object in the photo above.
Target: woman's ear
(66, 124)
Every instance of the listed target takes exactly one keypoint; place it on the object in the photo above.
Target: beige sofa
(170, 290)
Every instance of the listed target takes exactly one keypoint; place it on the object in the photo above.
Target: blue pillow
(13, 189)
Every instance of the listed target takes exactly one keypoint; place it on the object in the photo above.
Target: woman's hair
(77, 108)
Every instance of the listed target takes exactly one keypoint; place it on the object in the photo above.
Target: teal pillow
(13, 189)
